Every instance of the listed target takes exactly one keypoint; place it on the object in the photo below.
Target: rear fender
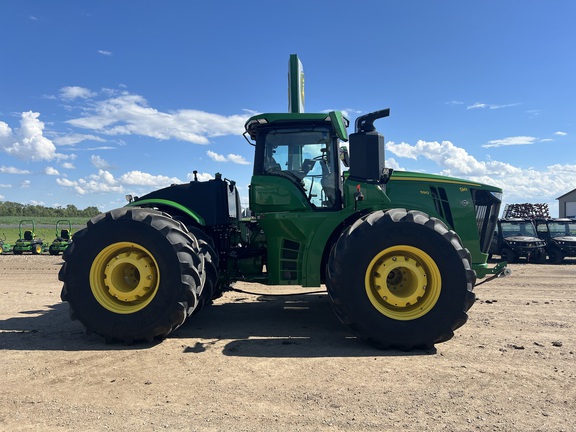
(163, 204)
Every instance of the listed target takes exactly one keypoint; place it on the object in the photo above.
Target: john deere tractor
(399, 252)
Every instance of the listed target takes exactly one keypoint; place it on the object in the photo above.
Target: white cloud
(480, 105)
(518, 184)
(25, 184)
(28, 142)
(75, 92)
(129, 114)
(517, 140)
(238, 159)
(144, 179)
(2, 197)
(72, 139)
(51, 171)
(12, 170)
(105, 53)
(98, 162)
(559, 133)
(66, 183)
(215, 156)
(230, 158)
(68, 165)
(104, 182)
(6, 186)
(454, 160)
(201, 176)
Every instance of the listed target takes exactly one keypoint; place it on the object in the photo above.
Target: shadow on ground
(297, 326)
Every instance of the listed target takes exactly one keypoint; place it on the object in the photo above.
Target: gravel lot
(261, 363)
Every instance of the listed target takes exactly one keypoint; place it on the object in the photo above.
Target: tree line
(8, 208)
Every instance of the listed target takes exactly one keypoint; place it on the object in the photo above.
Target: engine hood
(571, 239)
(524, 239)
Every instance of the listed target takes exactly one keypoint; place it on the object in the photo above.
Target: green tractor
(63, 237)
(399, 252)
(27, 241)
(5, 247)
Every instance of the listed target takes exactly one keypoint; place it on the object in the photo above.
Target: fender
(161, 203)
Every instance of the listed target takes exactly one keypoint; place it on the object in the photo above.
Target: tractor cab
(297, 161)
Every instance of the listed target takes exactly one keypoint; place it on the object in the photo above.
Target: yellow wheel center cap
(400, 280)
(130, 275)
(124, 277)
(403, 282)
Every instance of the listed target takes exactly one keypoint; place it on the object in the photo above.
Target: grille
(289, 260)
(487, 208)
(442, 205)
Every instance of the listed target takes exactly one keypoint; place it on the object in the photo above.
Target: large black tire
(211, 269)
(508, 255)
(538, 257)
(132, 274)
(556, 256)
(401, 280)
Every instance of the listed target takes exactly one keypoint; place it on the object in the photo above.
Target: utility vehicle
(560, 237)
(398, 252)
(516, 238)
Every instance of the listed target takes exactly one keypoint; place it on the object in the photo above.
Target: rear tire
(132, 274)
(400, 279)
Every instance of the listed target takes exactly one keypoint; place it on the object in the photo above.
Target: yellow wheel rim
(403, 282)
(124, 277)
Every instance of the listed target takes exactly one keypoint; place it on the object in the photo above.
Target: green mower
(63, 237)
(28, 242)
(5, 247)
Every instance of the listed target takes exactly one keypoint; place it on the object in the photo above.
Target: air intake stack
(367, 150)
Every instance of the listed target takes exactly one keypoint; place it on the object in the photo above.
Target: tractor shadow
(276, 327)
(249, 326)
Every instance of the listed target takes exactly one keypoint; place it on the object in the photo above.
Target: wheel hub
(124, 277)
(403, 282)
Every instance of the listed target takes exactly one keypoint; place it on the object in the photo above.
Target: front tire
(556, 256)
(132, 274)
(400, 279)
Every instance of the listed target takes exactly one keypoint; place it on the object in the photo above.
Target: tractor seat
(28, 235)
(65, 234)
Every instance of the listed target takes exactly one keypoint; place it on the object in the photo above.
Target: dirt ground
(261, 363)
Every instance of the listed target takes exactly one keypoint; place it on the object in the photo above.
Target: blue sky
(99, 99)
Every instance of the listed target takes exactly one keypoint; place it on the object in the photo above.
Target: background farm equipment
(4, 246)
(28, 242)
(516, 238)
(63, 237)
(560, 238)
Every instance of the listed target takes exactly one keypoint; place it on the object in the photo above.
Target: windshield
(511, 229)
(561, 229)
(306, 157)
